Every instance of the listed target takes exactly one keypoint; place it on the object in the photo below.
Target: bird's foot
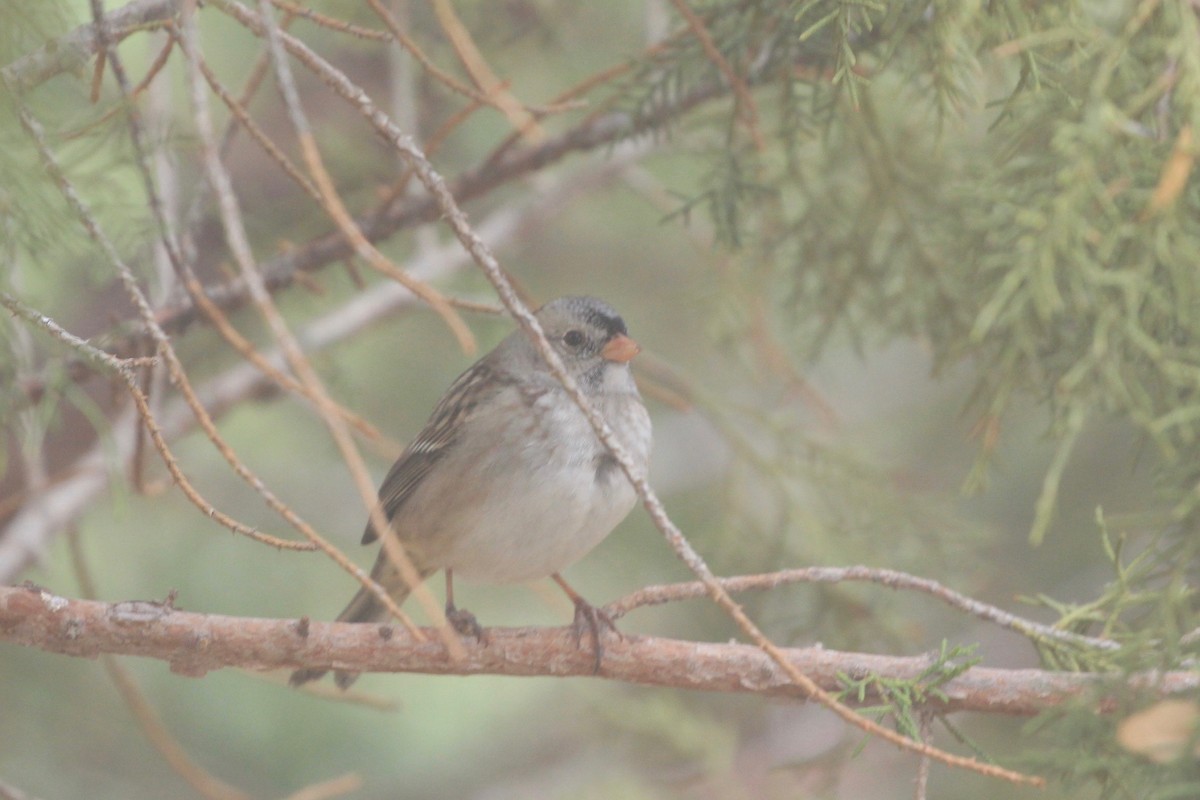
(594, 620)
(465, 623)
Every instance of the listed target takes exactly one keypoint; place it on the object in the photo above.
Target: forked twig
(492, 87)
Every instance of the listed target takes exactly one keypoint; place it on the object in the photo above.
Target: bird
(508, 482)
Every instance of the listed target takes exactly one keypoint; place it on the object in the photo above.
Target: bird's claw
(595, 620)
(465, 623)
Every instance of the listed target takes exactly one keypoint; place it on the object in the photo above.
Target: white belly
(520, 512)
(555, 528)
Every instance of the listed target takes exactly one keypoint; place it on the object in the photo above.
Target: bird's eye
(573, 338)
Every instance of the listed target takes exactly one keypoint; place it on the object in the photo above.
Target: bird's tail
(365, 607)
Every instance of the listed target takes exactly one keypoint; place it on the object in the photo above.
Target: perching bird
(507, 482)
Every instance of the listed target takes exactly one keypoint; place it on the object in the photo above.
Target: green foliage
(900, 699)
(1148, 607)
(1037, 234)
(1077, 749)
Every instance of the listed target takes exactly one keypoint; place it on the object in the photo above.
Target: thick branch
(196, 643)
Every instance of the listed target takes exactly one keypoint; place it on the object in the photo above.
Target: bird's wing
(440, 433)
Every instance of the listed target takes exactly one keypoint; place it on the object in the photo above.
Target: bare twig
(483, 98)
(893, 579)
(748, 111)
(256, 133)
(264, 364)
(152, 72)
(195, 213)
(921, 785)
(407, 42)
(22, 545)
(332, 23)
(481, 72)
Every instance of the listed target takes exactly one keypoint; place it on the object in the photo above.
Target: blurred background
(899, 288)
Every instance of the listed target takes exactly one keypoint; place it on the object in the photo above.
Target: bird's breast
(543, 494)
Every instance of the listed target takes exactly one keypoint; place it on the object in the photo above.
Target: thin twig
(211, 311)
(330, 202)
(295, 354)
(85, 349)
(571, 94)
(745, 100)
(332, 23)
(443, 77)
(893, 579)
(921, 784)
(156, 66)
(195, 218)
(481, 72)
(121, 369)
(256, 133)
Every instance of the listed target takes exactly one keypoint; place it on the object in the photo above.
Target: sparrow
(508, 482)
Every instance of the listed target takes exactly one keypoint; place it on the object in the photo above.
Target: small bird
(507, 482)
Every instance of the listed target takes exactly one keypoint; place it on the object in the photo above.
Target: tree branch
(77, 47)
(194, 644)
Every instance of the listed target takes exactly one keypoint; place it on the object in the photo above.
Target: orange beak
(620, 348)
